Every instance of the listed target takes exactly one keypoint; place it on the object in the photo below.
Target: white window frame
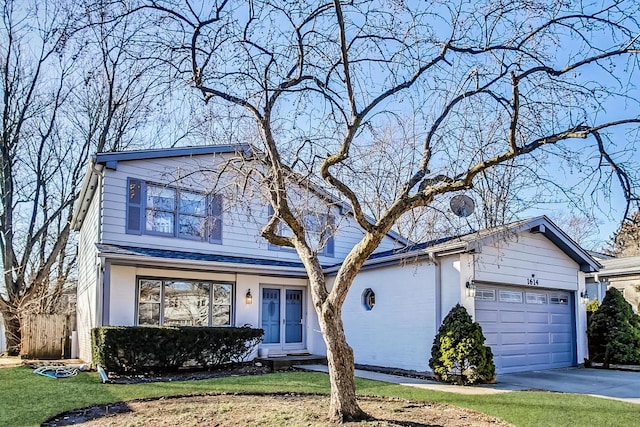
(163, 284)
(559, 299)
(502, 296)
(536, 298)
(484, 294)
(212, 217)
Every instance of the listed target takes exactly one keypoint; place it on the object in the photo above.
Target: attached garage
(527, 329)
(521, 282)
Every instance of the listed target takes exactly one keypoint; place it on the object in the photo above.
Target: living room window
(167, 211)
(173, 302)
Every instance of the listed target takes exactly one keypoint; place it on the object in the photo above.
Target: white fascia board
(87, 191)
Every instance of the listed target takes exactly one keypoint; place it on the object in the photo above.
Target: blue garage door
(527, 328)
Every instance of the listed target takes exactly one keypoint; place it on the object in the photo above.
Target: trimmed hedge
(458, 354)
(137, 349)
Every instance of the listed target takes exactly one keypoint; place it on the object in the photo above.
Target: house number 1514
(532, 281)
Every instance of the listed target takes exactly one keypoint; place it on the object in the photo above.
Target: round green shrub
(614, 332)
(458, 354)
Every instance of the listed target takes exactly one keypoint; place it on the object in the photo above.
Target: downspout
(99, 293)
(438, 288)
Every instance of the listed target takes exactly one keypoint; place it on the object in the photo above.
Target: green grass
(27, 399)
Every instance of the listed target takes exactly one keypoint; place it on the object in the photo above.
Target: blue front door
(282, 317)
(293, 325)
(271, 315)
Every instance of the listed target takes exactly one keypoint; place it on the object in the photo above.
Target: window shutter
(330, 247)
(135, 211)
(215, 230)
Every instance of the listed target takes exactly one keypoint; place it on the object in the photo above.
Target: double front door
(282, 317)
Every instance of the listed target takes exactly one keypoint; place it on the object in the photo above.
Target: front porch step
(282, 363)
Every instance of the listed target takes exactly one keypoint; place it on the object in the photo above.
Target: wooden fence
(46, 336)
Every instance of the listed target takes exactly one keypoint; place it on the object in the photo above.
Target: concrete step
(282, 363)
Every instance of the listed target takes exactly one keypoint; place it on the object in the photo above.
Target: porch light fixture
(584, 297)
(471, 289)
(248, 299)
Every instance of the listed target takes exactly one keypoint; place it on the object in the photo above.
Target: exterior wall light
(470, 289)
(584, 298)
(248, 299)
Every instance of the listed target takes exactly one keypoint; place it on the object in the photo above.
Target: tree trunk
(343, 406)
(13, 333)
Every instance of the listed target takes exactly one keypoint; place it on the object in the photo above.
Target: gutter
(408, 257)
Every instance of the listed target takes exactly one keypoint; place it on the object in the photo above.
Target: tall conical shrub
(458, 354)
(614, 332)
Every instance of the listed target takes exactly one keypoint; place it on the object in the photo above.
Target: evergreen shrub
(139, 349)
(458, 354)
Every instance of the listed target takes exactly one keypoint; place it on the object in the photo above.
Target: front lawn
(27, 399)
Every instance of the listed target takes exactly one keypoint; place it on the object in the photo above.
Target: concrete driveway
(619, 385)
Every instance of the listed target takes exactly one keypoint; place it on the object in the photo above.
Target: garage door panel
(513, 349)
(539, 358)
(561, 338)
(560, 319)
(542, 318)
(527, 336)
(513, 338)
(538, 338)
(511, 316)
(486, 316)
(509, 361)
(562, 358)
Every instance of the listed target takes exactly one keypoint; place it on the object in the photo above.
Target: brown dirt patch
(233, 410)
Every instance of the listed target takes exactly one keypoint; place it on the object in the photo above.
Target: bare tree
(69, 87)
(321, 79)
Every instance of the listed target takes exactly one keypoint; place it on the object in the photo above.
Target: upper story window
(167, 211)
(315, 226)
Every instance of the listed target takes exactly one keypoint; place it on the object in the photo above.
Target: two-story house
(167, 239)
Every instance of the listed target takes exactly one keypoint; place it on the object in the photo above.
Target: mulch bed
(236, 370)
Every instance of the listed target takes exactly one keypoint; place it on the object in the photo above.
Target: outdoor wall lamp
(471, 289)
(584, 297)
(248, 299)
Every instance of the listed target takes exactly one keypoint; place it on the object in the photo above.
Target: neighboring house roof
(110, 160)
(600, 255)
(472, 242)
(624, 266)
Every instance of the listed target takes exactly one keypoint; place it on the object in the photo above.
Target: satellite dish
(462, 205)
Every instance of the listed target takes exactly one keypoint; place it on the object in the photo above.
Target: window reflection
(184, 303)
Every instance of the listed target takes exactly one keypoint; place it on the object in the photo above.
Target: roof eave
(223, 267)
(546, 227)
(87, 191)
(111, 159)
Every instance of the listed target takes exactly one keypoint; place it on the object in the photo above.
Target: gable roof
(472, 242)
(110, 161)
